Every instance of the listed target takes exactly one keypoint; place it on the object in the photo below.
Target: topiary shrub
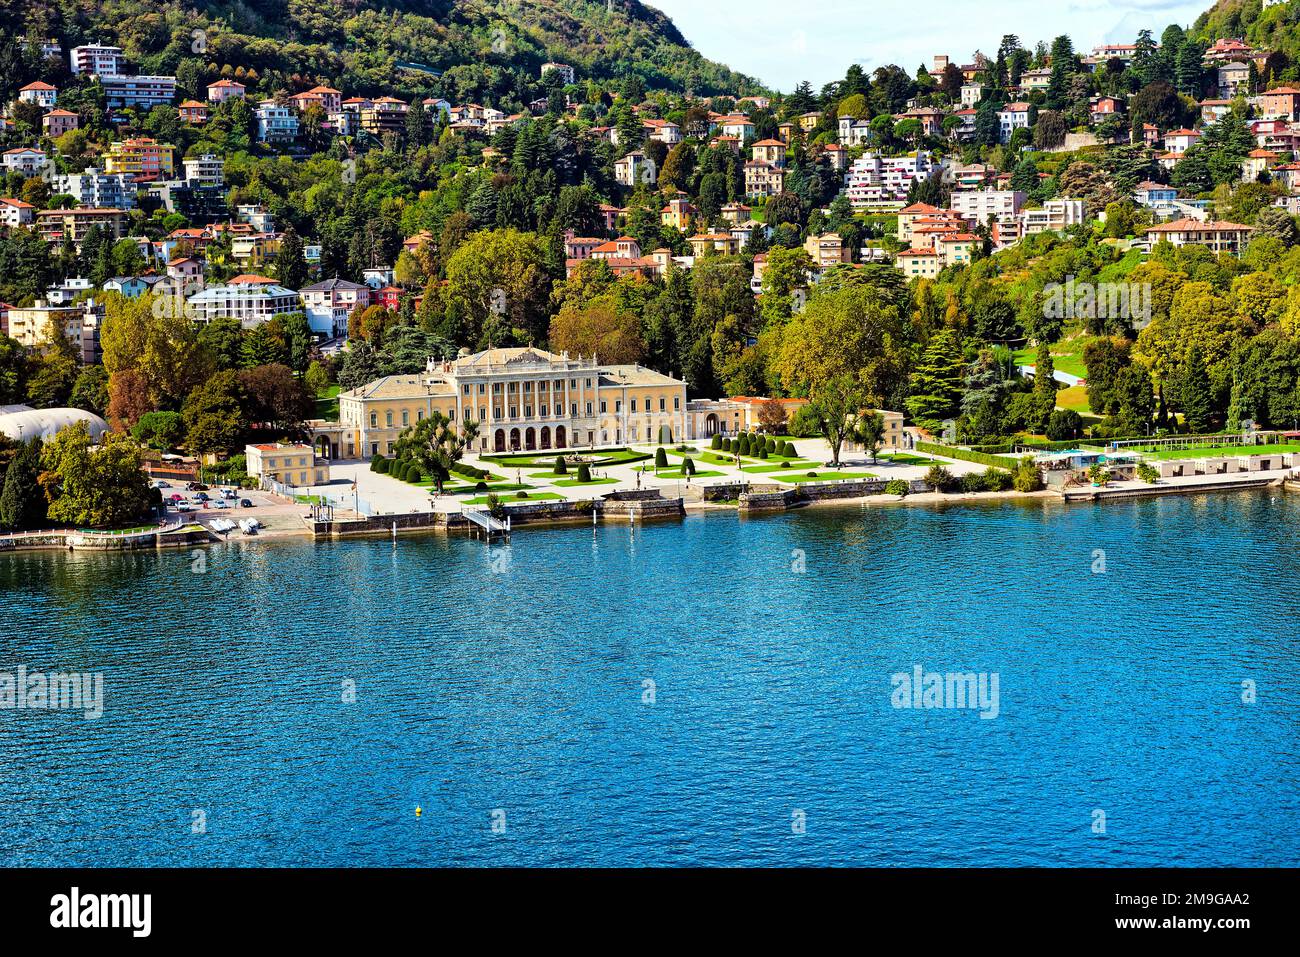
(521, 494)
(584, 472)
(375, 460)
(770, 446)
(716, 443)
(785, 465)
(762, 453)
(688, 466)
(661, 458)
(382, 466)
(812, 474)
(726, 445)
(897, 487)
(744, 445)
(560, 467)
(480, 486)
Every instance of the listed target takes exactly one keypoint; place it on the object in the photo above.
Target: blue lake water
(508, 686)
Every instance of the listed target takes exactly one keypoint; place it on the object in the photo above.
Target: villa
(520, 398)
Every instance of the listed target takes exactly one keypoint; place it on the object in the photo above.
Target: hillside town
(215, 257)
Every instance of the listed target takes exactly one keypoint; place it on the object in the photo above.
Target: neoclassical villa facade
(522, 399)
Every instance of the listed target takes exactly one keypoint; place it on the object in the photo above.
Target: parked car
(245, 503)
(202, 496)
(229, 493)
(184, 507)
(219, 503)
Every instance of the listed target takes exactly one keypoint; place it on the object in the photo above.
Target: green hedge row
(966, 455)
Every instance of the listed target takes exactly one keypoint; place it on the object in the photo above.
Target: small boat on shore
(249, 526)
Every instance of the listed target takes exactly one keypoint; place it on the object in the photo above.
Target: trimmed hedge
(584, 472)
(717, 442)
(560, 467)
(966, 455)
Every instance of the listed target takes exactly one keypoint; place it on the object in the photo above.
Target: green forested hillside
(483, 46)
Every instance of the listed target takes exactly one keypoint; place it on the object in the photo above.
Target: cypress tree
(22, 503)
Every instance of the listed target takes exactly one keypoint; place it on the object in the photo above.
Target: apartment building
(144, 92)
(251, 303)
(63, 225)
(981, 205)
(1055, 215)
(97, 59)
(97, 188)
(877, 182)
(142, 158)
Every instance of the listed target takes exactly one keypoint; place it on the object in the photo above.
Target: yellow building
(289, 463)
(520, 399)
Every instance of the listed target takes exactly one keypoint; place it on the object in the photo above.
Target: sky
(781, 42)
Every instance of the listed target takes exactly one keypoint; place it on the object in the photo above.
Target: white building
(142, 91)
(563, 69)
(39, 93)
(635, 168)
(97, 189)
(95, 58)
(877, 182)
(251, 304)
(15, 213)
(275, 123)
(979, 205)
(1012, 117)
(23, 160)
(208, 170)
(329, 304)
(1055, 216)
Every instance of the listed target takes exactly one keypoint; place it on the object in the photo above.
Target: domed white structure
(28, 424)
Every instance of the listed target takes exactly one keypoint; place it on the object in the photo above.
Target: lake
(716, 691)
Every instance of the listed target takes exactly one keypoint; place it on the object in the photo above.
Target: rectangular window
(677, 403)
(465, 389)
(406, 418)
(374, 420)
(604, 407)
(589, 412)
(661, 403)
(618, 405)
(573, 409)
(482, 387)
(634, 405)
(388, 419)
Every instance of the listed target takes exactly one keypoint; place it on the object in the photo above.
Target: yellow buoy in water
(417, 810)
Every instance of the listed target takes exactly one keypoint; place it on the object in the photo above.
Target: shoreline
(917, 499)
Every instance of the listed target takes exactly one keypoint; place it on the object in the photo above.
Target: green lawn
(675, 472)
(570, 483)
(524, 460)
(327, 403)
(1065, 362)
(795, 465)
(800, 477)
(1221, 451)
(511, 500)
(903, 458)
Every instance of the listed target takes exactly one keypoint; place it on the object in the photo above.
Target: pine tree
(938, 380)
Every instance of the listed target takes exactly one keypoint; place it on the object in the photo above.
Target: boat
(249, 526)
(222, 525)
